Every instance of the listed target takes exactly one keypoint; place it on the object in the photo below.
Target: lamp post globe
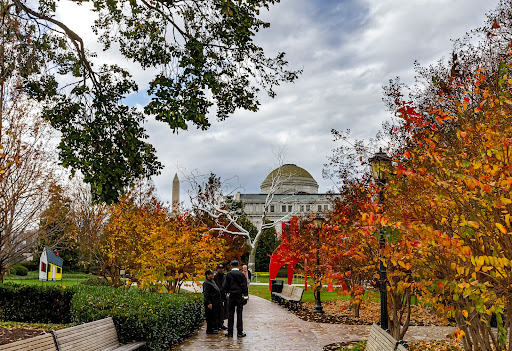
(381, 164)
(318, 221)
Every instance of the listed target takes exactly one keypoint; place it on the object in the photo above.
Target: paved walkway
(271, 327)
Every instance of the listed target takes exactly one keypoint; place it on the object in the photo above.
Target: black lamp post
(380, 165)
(318, 222)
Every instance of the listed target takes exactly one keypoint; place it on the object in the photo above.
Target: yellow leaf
(501, 228)
(473, 224)
(465, 313)
(506, 201)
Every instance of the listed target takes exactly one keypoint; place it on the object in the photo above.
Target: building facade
(294, 192)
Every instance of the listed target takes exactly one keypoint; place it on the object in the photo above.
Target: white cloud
(348, 49)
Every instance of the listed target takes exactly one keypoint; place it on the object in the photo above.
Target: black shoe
(229, 335)
(224, 327)
(212, 332)
(241, 335)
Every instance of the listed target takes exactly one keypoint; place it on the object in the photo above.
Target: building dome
(296, 180)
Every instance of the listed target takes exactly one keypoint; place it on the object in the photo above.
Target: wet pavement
(271, 327)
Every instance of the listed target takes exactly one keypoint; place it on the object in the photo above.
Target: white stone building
(297, 195)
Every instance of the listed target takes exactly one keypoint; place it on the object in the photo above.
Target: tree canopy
(203, 53)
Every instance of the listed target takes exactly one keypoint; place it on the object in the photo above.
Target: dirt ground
(339, 312)
(8, 335)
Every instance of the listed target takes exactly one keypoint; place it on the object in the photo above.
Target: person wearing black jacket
(219, 278)
(212, 303)
(236, 286)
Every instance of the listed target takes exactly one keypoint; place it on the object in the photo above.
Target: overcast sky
(348, 50)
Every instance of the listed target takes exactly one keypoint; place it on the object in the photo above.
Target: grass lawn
(257, 278)
(262, 291)
(32, 278)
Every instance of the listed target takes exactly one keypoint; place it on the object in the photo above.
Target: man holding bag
(235, 285)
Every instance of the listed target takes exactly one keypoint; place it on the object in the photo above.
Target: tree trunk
(251, 265)
(357, 307)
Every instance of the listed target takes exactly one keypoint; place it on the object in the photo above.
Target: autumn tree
(351, 247)
(27, 170)
(154, 248)
(89, 220)
(181, 250)
(203, 55)
(363, 212)
(453, 171)
(57, 229)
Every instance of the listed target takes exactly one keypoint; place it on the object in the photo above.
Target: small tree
(57, 229)
(213, 203)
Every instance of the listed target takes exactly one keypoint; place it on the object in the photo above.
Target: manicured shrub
(31, 265)
(158, 318)
(19, 270)
(95, 281)
(35, 304)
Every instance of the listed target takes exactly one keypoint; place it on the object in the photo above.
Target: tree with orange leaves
(155, 249)
(454, 173)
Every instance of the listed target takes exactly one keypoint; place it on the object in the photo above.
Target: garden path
(271, 327)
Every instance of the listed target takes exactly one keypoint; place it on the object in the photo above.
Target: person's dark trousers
(218, 316)
(235, 303)
(211, 319)
(224, 309)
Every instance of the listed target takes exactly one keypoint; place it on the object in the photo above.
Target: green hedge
(162, 320)
(95, 281)
(35, 304)
(19, 270)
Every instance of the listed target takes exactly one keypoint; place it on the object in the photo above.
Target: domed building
(296, 180)
(295, 193)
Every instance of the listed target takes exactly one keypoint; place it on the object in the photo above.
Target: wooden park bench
(287, 291)
(381, 340)
(291, 295)
(43, 342)
(99, 335)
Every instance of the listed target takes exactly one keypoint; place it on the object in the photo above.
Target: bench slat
(95, 336)
(96, 332)
(380, 340)
(38, 343)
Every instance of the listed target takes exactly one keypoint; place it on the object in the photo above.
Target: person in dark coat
(212, 303)
(236, 286)
(219, 278)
